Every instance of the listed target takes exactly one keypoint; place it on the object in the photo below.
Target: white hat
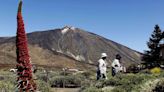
(103, 55)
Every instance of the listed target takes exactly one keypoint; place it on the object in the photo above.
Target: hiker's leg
(98, 74)
(113, 72)
(104, 76)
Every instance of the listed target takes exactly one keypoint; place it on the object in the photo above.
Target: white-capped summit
(67, 28)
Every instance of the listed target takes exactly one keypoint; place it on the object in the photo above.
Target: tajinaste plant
(24, 72)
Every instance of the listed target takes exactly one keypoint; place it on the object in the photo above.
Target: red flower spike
(23, 59)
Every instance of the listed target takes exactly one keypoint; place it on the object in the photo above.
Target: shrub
(65, 81)
(155, 70)
(119, 90)
(99, 84)
(162, 73)
(159, 87)
(43, 86)
(85, 84)
(65, 73)
(46, 76)
(145, 71)
(122, 79)
(42, 77)
(87, 74)
(126, 83)
(112, 82)
(133, 69)
(2, 78)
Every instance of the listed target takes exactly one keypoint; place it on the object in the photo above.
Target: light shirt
(116, 63)
(102, 66)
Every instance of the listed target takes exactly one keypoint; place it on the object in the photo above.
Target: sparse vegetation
(120, 83)
(125, 83)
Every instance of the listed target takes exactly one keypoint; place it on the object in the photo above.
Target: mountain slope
(73, 44)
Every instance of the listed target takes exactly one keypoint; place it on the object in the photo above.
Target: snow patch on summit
(67, 28)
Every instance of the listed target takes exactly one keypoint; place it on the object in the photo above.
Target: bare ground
(65, 89)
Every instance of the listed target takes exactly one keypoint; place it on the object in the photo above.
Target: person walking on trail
(116, 66)
(102, 67)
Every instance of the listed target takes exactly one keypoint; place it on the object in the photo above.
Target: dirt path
(65, 89)
(108, 89)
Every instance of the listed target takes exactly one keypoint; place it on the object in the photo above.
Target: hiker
(102, 67)
(116, 66)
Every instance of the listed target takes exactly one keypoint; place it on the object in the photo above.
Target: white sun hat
(103, 55)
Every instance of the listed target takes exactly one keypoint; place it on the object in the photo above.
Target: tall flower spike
(20, 6)
(25, 80)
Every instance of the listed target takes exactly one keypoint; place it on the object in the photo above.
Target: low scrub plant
(155, 70)
(159, 87)
(65, 81)
(42, 86)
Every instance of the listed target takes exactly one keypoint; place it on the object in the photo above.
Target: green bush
(65, 73)
(46, 76)
(85, 84)
(43, 86)
(99, 84)
(112, 82)
(87, 74)
(161, 74)
(65, 81)
(127, 82)
(42, 77)
(119, 90)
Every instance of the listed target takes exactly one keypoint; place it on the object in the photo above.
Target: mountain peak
(66, 28)
(78, 44)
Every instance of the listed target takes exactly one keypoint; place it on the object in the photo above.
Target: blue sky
(129, 22)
